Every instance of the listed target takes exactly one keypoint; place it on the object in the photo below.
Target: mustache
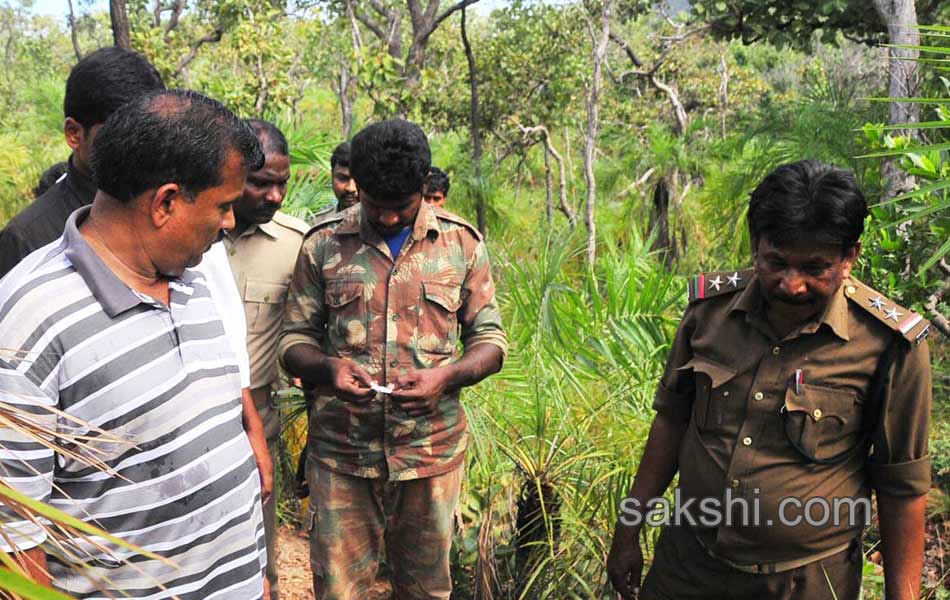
(794, 300)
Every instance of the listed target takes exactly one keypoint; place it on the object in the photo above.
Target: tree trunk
(119, 16)
(548, 188)
(262, 89)
(73, 32)
(590, 141)
(474, 126)
(900, 16)
(342, 89)
(660, 222)
(723, 92)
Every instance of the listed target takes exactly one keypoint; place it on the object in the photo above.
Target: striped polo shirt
(164, 379)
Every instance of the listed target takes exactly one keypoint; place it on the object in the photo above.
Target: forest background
(607, 149)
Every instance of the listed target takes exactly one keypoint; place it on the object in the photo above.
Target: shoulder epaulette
(911, 326)
(708, 285)
(318, 224)
(291, 222)
(445, 215)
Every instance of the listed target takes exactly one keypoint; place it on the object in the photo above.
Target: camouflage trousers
(352, 519)
(682, 570)
(271, 419)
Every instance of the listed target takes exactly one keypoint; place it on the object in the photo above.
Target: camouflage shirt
(352, 300)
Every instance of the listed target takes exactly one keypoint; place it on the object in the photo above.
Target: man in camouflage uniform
(797, 389)
(381, 297)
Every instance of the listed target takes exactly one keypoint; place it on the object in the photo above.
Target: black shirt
(45, 219)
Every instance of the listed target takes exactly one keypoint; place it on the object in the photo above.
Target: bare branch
(448, 13)
(371, 24)
(176, 9)
(210, 38)
(528, 132)
(73, 31)
(938, 319)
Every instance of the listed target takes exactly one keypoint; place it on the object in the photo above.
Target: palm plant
(68, 537)
(553, 434)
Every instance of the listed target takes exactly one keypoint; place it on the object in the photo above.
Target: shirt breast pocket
(264, 304)
(823, 423)
(437, 326)
(347, 316)
(713, 407)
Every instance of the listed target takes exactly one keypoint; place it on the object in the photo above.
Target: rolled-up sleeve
(26, 465)
(677, 388)
(305, 311)
(899, 464)
(479, 315)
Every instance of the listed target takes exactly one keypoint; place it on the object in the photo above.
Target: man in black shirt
(97, 85)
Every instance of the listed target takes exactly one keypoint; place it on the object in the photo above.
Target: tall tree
(474, 128)
(599, 53)
(121, 33)
(794, 23)
(385, 21)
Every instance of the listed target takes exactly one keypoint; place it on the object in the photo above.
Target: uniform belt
(772, 567)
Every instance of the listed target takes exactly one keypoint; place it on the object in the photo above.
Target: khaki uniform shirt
(352, 300)
(262, 258)
(734, 380)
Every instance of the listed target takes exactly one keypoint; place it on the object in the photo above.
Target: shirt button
(394, 363)
(775, 351)
(395, 317)
(725, 393)
(734, 483)
(817, 413)
(746, 441)
(392, 451)
(759, 395)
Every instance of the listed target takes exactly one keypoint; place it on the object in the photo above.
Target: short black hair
(808, 199)
(175, 136)
(272, 138)
(390, 160)
(340, 156)
(105, 80)
(438, 181)
(49, 178)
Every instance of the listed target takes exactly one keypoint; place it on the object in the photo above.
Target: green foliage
(908, 233)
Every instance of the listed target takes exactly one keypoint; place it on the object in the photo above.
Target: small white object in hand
(381, 389)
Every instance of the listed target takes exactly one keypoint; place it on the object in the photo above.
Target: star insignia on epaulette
(877, 303)
(734, 279)
(892, 313)
(716, 283)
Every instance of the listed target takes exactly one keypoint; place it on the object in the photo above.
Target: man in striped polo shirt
(110, 325)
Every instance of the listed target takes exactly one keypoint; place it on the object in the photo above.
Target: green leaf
(45, 510)
(27, 588)
(909, 150)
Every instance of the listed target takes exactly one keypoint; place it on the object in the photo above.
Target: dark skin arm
(658, 466)
(418, 391)
(902, 543)
(254, 428)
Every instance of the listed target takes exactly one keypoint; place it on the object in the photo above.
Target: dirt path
(293, 568)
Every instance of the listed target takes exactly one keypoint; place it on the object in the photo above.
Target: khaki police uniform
(830, 411)
(262, 259)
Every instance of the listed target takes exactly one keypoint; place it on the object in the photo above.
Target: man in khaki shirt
(262, 249)
(791, 391)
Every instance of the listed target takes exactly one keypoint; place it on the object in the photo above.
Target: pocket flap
(820, 402)
(718, 373)
(445, 295)
(267, 292)
(341, 293)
